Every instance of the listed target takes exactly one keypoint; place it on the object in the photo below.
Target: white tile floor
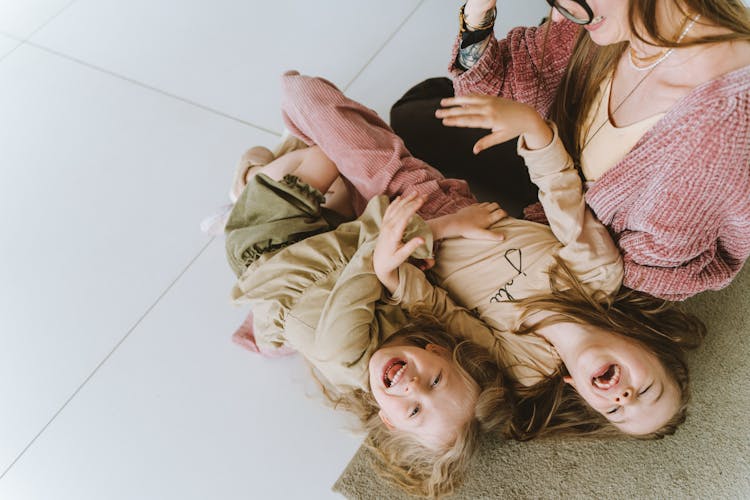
(120, 123)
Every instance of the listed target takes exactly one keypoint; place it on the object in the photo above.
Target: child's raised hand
(390, 252)
(504, 117)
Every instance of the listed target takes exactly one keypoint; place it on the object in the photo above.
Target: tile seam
(384, 45)
(151, 88)
(107, 357)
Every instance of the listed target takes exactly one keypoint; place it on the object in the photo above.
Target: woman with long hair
(652, 102)
(570, 327)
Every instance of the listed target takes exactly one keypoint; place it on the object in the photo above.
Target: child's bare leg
(312, 166)
(316, 169)
(281, 166)
(339, 199)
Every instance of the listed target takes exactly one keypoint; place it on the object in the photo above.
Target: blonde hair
(400, 457)
(552, 406)
(590, 64)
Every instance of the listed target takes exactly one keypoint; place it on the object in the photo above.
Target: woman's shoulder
(715, 110)
(719, 73)
(733, 84)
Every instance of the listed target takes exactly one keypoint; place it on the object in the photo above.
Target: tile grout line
(106, 358)
(152, 88)
(382, 47)
(50, 20)
(25, 40)
(20, 43)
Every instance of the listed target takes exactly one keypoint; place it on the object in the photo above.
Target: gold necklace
(649, 69)
(606, 120)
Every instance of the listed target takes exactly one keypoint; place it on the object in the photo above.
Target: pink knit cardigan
(678, 205)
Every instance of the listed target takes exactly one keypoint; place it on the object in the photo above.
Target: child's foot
(254, 158)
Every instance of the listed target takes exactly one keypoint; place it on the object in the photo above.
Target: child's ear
(569, 380)
(385, 420)
(437, 349)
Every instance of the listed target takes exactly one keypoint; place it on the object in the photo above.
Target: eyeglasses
(577, 11)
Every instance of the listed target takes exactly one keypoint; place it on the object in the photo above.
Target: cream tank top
(605, 148)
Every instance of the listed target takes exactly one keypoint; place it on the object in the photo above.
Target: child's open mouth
(393, 372)
(607, 378)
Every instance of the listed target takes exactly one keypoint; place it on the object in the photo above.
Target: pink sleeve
(693, 255)
(516, 66)
(368, 154)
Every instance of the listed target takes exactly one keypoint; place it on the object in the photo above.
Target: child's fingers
(487, 234)
(422, 264)
(495, 236)
(407, 207)
(490, 140)
(463, 100)
(398, 214)
(408, 248)
(468, 121)
(399, 201)
(427, 264)
(498, 214)
(459, 111)
(404, 214)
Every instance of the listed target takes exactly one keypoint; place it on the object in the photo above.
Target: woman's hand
(476, 11)
(505, 118)
(472, 222)
(390, 252)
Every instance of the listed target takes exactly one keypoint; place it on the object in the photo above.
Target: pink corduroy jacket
(678, 205)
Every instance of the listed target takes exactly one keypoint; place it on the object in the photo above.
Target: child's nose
(412, 385)
(624, 396)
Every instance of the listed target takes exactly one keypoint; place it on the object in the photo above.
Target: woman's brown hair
(590, 64)
(401, 457)
(552, 406)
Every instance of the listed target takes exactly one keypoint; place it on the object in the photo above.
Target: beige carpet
(708, 457)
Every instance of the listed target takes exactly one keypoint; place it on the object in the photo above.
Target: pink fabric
(678, 205)
(245, 337)
(368, 154)
(512, 67)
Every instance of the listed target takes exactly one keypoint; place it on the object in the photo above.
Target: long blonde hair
(590, 64)
(552, 406)
(401, 457)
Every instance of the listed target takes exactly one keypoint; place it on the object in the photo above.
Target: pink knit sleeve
(527, 65)
(368, 154)
(676, 264)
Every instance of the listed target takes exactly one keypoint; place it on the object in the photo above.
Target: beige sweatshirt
(321, 296)
(486, 277)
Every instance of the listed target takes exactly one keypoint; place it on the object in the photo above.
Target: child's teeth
(397, 376)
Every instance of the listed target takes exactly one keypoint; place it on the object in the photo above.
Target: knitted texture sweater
(678, 204)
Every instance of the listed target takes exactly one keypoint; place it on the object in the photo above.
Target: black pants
(497, 174)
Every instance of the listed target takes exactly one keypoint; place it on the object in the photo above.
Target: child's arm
(408, 286)
(588, 248)
(472, 222)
